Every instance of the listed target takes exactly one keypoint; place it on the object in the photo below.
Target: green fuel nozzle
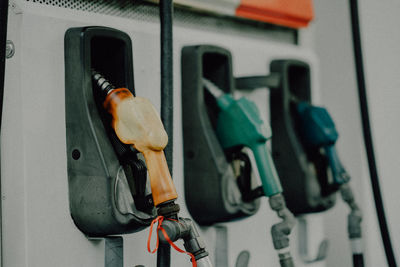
(239, 125)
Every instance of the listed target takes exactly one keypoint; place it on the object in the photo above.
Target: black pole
(164, 255)
(167, 103)
(3, 41)
(166, 14)
(358, 260)
(362, 93)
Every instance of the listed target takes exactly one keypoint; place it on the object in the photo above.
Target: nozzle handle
(266, 168)
(162, 186)
(137, 123)
(339, 173)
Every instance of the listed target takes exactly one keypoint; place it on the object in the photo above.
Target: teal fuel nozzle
(318, 130)
(239, 125)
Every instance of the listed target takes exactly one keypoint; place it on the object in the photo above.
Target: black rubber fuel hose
(3, 42)
(358, 260)
(167, 92)
(362, 93)
(166, 14)
(164, 255)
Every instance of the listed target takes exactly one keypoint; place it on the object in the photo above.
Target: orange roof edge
(290, 13)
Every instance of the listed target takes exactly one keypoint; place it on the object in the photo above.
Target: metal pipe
(353, 225)
(186, 230)
(204, 262)
(280, 231)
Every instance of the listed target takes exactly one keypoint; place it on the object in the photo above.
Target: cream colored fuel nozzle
(137, 123)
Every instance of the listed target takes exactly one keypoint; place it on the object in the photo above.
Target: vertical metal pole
(167, 102)
(221, 246)
(114, 252)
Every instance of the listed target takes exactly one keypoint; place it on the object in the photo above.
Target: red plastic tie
(160, 220)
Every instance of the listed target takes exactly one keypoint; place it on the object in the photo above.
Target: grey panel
(188, 18)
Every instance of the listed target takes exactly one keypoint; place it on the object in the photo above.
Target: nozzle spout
(212, 88)
(105, 86)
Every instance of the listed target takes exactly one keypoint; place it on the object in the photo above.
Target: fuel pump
(216, 128)
(210, 179)
(108, 191)
(303, 143)
(303, 171)
(239, 125)
(318, 130)
(137, 123)
(107, 129)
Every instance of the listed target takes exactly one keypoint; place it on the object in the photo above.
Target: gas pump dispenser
(318, 130)
(311, 130)
(304, 144)
(108, 189)
(210, 180)
(237, 124)
(108, 129)
(303, 170)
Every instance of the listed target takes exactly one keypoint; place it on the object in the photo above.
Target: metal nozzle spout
(105, 86)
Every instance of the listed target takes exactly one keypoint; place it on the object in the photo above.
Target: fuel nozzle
(239, 125)
(137, 123)
(318, 130)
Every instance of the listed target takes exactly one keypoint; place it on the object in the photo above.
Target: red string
(160, 220)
